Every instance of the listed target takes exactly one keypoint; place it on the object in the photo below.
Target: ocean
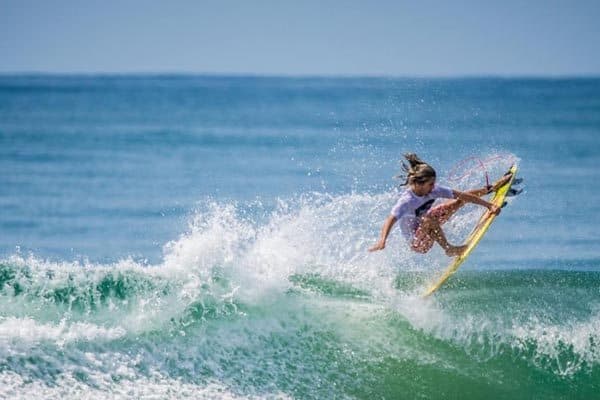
(205, 237)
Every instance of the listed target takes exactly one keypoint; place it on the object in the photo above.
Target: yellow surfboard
(480, 229)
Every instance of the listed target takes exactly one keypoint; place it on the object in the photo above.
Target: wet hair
(417, 170)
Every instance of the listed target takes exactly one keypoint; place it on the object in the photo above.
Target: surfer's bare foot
(499, 183)
(453, 251)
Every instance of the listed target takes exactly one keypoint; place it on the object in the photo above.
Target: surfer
(419, 221)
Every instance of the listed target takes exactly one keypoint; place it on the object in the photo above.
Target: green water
(501, 334)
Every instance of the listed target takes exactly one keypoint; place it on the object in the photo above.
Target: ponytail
(417, 170)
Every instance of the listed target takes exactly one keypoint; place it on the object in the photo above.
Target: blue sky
(390, 38)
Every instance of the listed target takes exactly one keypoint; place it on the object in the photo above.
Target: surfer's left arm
(469, 198)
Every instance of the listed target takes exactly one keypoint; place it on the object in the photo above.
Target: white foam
(565, 348)
(23, 333)
(14, 386)
(578, 339)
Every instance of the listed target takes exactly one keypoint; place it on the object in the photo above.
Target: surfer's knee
(422, 244)
(429, 223)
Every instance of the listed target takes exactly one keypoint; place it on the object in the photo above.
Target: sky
(323, 37)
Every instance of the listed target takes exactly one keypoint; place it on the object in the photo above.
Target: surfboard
(476, 235)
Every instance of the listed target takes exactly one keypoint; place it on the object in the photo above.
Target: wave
(258, 301)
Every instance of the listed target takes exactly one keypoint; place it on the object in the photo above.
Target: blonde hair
(418, 171)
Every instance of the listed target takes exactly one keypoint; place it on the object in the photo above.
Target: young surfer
(419, 221)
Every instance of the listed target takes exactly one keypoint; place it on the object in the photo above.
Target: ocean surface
(171, 237)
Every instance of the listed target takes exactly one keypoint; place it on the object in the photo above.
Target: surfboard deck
(476, 235)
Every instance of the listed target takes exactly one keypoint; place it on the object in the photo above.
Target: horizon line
(294, 76)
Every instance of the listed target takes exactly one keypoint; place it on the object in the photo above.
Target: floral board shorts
(422, 241)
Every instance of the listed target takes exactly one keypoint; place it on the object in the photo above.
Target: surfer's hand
(494, 209)
(378, 246)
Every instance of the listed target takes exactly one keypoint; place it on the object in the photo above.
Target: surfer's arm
(469, 198)
(385, 231)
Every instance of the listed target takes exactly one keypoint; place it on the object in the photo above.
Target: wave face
(206, 237)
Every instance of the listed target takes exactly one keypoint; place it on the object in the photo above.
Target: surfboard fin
(504, 204)
(517, 181)
(513, 192)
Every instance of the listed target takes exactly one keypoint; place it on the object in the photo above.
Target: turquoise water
(205, 237)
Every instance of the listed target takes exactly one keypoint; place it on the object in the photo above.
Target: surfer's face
(422, 189)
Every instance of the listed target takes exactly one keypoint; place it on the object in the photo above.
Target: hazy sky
(398, 38)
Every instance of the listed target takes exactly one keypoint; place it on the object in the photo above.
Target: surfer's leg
(491, 188)
(444, 211)
(429, 230)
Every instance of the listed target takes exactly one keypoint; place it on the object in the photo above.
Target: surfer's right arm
(385, 231)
